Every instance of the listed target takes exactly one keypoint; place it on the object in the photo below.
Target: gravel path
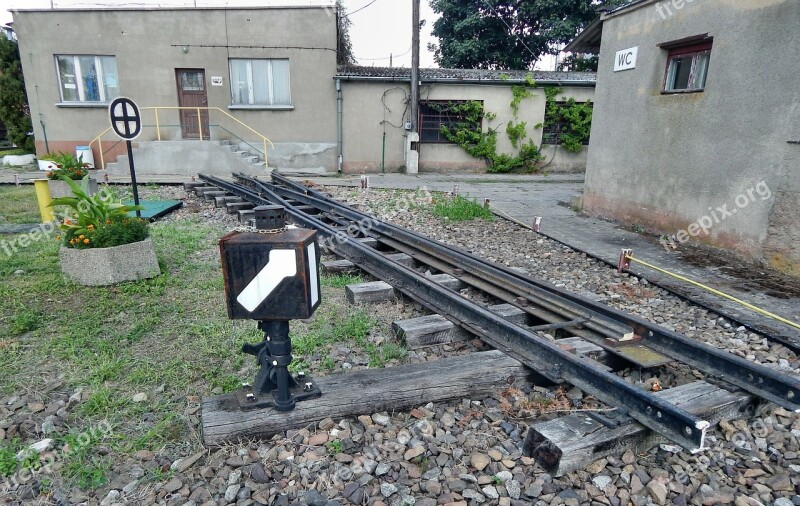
(463, 452)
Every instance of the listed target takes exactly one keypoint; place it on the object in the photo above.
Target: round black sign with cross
(125, 118)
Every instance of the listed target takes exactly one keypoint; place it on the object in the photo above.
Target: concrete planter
(59, 188)
(108, 266)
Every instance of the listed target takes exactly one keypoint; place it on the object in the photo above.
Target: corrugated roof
(464, 75)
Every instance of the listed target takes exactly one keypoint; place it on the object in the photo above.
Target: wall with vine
(469, 134)
(574, 119)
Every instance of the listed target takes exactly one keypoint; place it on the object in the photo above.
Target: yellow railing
(264, 139)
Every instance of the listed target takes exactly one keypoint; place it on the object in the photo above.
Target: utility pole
(412, 135)
(414, 65)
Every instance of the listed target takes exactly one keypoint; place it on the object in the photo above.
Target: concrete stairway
(188, 158)
(221, 157)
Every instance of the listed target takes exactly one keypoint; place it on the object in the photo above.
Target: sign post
(127, 124)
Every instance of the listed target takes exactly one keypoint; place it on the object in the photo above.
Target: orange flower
(67, 222)
(86, 241)
(80, 236)
(91, 226)
(58, 238)
(108, 222)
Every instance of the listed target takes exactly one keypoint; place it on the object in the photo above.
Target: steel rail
(532, 350)
(782, 389)
(412, 243)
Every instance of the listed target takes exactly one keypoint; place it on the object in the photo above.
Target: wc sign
(625, 59)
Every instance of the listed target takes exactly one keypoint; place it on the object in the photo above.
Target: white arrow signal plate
(282, 264)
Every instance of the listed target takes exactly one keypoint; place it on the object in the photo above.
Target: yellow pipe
(199, 124)
(158, 129)
(44, 199)
(716, 292)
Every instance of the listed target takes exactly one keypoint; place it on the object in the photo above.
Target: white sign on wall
(216, 80)
(625, 59)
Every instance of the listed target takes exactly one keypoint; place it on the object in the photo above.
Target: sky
(381, 29)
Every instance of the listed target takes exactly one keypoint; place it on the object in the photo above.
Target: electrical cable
(359, 9)
(510, 29)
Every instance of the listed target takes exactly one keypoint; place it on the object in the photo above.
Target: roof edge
(176, 8)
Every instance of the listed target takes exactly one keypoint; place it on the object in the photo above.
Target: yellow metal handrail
(264, 138)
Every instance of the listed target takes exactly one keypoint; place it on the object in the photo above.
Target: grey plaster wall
(148, 48)
(667, 160)
(374, 107)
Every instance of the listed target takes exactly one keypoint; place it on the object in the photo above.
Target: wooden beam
(572, 442)
(368, 391)
(370, 292)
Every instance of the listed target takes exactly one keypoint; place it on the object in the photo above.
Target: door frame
(188, 118)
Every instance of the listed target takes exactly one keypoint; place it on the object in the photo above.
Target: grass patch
(18, 205)
(340, 280)
(458, 208)
(168, 337)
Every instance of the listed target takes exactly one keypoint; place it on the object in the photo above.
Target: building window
(260, 82)
(84, 78)
(435, 114)
(687, 67)
(556, 128)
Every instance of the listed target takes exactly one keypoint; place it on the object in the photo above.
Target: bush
(114, 232)
(14, 152)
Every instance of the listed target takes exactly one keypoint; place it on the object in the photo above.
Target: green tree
(14, 110)
(507, 34)
(578, 63)
(344, 46)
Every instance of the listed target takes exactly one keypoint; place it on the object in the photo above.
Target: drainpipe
(339, 125)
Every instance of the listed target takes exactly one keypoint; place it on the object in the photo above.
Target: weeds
(334, 447)
(458, 208)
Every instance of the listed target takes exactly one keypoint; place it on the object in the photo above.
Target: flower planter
(59, 188)
(108, 266)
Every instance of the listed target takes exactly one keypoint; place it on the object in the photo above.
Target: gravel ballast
(464, 452)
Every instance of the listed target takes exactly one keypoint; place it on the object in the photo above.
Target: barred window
(434, 114)
(555, 124)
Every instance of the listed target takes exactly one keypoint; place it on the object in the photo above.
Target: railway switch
(271, 275)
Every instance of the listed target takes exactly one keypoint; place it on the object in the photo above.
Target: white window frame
(98, 62)
(250, 88)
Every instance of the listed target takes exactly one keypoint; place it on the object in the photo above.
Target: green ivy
(575, 117)
(469, 135)
(516, 132)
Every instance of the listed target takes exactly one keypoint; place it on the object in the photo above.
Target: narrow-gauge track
(554, 307)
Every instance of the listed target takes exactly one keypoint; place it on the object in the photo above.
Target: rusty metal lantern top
(271, 273)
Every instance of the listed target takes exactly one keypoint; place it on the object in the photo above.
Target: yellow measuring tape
(715, 292)
(678, 276)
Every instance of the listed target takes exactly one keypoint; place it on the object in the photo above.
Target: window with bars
(262, 82)
(87, 78)
(433, 114)
(687, 67)
(555, 125)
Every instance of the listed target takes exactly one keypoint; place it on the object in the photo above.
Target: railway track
(632, 340)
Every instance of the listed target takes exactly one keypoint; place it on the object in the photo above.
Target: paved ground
(526, 196)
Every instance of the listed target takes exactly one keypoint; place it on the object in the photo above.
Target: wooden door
(192, 93)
